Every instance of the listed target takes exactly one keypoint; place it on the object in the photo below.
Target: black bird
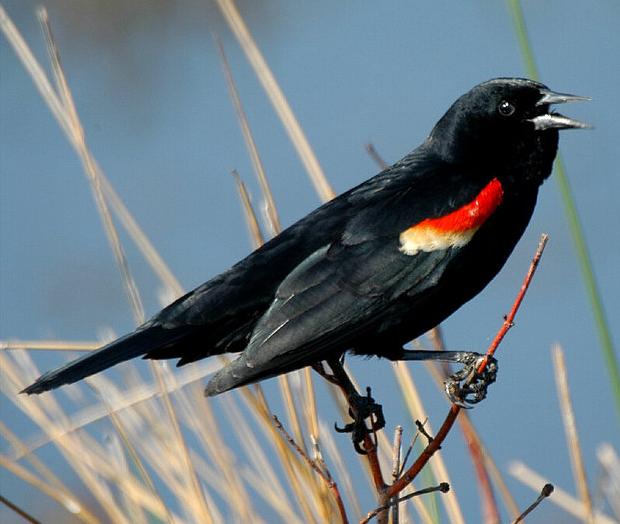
(375, 267)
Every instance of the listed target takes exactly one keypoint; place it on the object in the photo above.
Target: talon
(474, 385)
(362, 408)
(357, 447)
(347, 428)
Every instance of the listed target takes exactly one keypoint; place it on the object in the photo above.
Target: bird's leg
(465, 386)
(360, 407)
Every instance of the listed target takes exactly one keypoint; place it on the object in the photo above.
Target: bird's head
(504, 123)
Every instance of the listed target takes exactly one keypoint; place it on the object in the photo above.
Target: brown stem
(435, 444)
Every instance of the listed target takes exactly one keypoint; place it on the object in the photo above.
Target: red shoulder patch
(456, 228)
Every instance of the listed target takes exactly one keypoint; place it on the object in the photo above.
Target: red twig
(435, 444)
(509, 319)
(489, 503)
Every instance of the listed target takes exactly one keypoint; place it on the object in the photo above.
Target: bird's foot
(361, 408)
(467, 386)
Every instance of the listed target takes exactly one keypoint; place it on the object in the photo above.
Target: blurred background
(149, 88)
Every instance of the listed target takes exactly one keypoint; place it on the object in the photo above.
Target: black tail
(134, 344)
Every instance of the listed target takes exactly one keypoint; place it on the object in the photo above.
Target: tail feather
(132, 345)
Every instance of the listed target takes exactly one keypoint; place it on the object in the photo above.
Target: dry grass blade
(396, 452)
(153, 258)
(272, 212)
(65, 496)
(275, 228)
(560, 498)
(342, 471)
(80, 453)
(302, 483)
(64, 111)
(570, 429)
(131, 397)
(92, 171)
(59, 496)
(610, 462)
(277, 98)
(146, 477)
(323, 473)
(269, 486)
(309, 402)
(78, 140)
(35, 70)
(202, 508)
(199, 417)
(49, 345)
(490, 464)
(284, 381)
(62, 116)
(250, 215)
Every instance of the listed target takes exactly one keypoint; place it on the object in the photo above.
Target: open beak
(555, 120)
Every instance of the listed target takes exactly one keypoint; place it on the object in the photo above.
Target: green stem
(574, 222)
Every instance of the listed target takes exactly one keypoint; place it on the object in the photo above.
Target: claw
(474, 385)
(360, 409)
(347, 428)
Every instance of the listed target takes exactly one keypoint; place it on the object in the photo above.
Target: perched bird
(375, 267)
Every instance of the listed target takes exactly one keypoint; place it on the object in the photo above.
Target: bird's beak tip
(551, 97)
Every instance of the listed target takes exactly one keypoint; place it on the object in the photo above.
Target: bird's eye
(505, 108)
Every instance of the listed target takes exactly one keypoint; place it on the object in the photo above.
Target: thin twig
(324, 474)
(544, 493)
(561, 498)
(433, 446)
(22, 513)
(444, 487)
